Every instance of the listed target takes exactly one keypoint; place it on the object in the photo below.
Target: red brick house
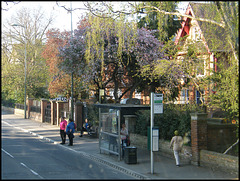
(211, 37)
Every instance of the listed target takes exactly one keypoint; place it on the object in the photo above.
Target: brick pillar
(59, 109)
(29, 104)
(198, 135)
(53, 108)
(43, 107)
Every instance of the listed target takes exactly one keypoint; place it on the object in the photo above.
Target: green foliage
(93, 114)
(174, 117)
(15, 39)
(142, 122)
(154, 20)
(226, 96)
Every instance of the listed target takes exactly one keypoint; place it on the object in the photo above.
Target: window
(198, 97)
(137, 94)
(200, 69)
(184, 97)
(111, 93)
(196, 34)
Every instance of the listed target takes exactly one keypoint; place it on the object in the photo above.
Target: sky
(62, 17)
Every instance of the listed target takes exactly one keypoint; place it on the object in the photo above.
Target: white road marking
(7, 153)
(35, 173)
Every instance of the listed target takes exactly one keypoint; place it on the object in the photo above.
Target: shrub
(174, 117)
(93, 114)
(142, 122)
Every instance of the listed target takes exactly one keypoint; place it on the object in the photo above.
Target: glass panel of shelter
(109, 137)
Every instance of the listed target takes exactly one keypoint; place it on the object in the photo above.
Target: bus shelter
(111, 117)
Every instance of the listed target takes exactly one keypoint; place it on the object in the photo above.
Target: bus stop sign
(158, 103)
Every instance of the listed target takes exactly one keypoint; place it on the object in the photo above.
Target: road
(27, 157)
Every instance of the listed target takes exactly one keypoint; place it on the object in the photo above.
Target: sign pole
(151, 131)
(156, 108)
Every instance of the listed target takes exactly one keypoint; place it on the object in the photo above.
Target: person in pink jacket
(63, 126)
(176, 143)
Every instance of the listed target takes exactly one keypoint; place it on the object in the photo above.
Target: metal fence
(47, 113)
(35, 109)
(20, 106)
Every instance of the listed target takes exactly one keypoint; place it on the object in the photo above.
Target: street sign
(158, 103)
(60, 98)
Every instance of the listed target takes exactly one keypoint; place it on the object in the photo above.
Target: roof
(122, 106)
(214, 35)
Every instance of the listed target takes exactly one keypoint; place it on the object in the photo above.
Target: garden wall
(8, 109)
(35, 116)
(219, 161)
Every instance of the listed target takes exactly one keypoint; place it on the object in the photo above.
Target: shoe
(62, 143)
(70, 145)
(80, 136)
(178, 165)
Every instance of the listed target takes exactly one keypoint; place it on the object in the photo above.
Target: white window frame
(197, 98)
(184, 96)
(137, 94)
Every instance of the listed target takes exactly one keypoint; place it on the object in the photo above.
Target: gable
(214, 36)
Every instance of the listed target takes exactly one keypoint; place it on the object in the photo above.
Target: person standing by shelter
(176, 143)
(70, 130)
(63, 126)
(124, 134)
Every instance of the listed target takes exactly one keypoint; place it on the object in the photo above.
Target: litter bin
(130, 155)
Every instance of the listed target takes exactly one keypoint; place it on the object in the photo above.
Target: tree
(167, 25)
(114, 54)
(59, 80)
(33, 34)
(227, 77)
(73, 60)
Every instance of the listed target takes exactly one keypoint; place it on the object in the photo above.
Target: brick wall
(219, 161)
(220, 137)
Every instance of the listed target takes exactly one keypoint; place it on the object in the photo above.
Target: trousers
(176, 155)
(63, 135)
(70, 136)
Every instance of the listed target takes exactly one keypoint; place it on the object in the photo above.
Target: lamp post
(25, 71)
(72, 110)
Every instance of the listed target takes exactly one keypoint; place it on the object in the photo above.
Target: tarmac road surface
(26, 157)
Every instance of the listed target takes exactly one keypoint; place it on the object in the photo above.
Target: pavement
(164, 167)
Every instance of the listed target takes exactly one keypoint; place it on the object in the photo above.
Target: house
(210, 43)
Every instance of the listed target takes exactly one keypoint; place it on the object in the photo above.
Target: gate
(48, 113)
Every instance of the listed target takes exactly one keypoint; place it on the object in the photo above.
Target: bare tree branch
(69, 9)
(7, 4)
(225, 152)
(155, 9)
